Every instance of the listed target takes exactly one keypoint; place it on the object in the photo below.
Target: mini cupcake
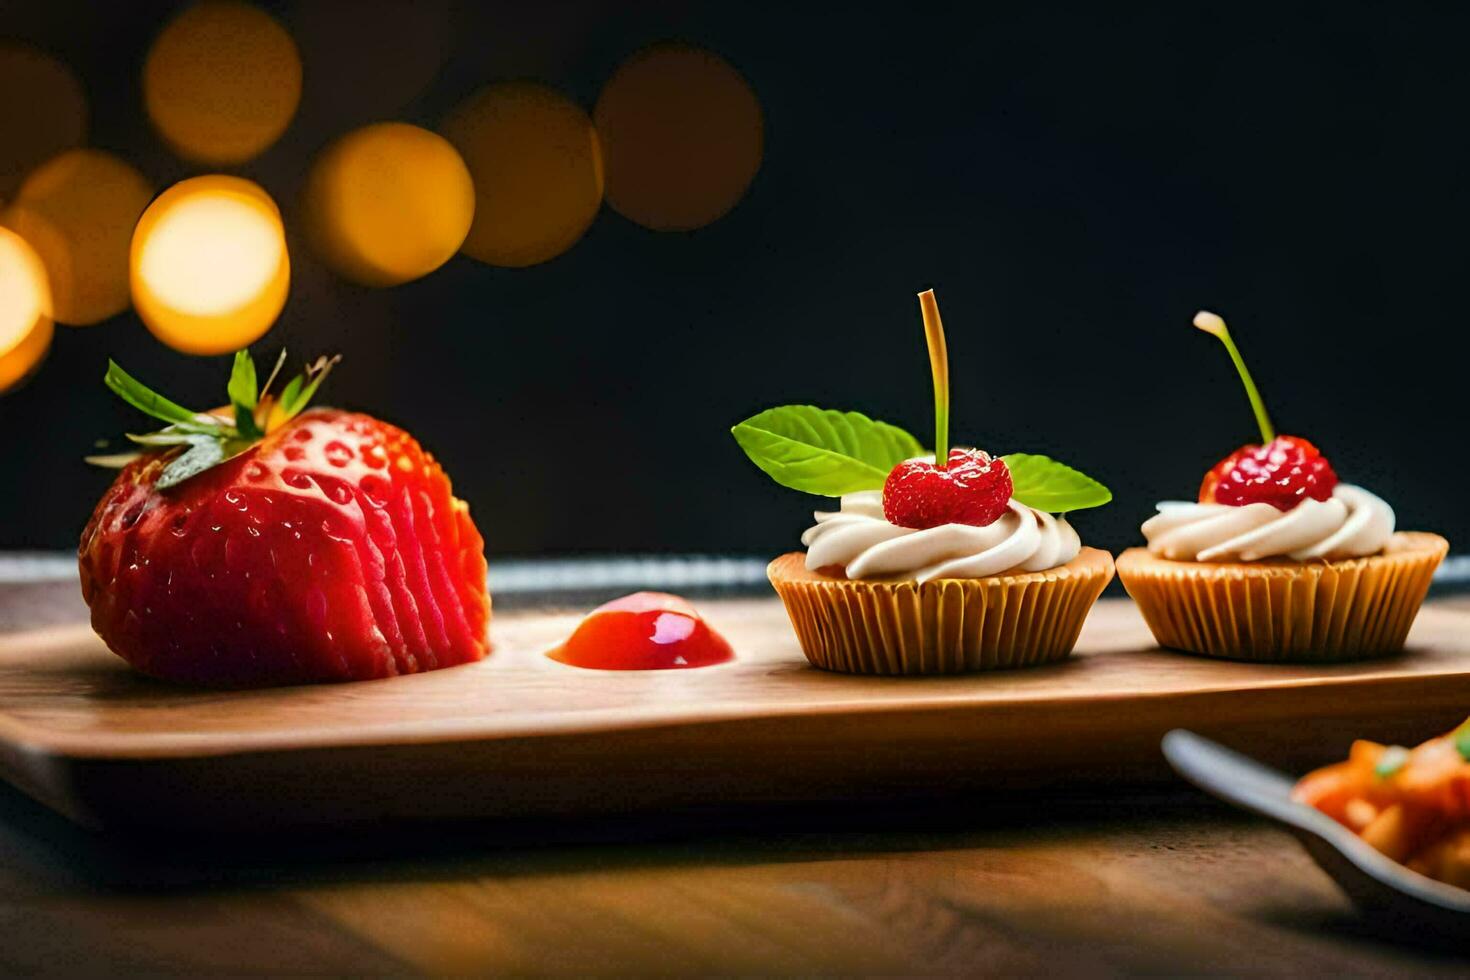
(926, 567)
(1279, 560)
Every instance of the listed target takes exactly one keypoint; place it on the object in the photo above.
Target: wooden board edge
(740, 763)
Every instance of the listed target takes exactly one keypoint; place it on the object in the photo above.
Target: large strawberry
(263, 544)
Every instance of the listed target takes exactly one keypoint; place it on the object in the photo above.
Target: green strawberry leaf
(1045, 484)
(169, 436)
(1462, 741)
(290, 394)
(148, 401)
(244, 391)
(197, 441)
(111, 461)
(200, 456)
(271, 379)
(301, 389)
(823, 451)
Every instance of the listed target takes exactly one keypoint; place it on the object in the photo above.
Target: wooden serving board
(519, 735)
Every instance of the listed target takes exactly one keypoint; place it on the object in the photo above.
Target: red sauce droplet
(644, 631)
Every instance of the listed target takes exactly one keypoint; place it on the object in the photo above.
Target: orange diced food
(1413, 806)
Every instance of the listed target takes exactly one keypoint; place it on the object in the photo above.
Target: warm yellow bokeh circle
(78, 210)
(682, 135)
(537, 170)
(222, 82)
(25, 309)
(209, 265)
(43, 111)
(388, 203)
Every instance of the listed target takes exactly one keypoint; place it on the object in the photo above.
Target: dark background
(1075, 182)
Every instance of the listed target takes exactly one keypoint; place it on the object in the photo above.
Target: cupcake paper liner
(946, 626)
(1287, 612)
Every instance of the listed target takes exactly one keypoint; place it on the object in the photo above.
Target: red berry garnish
(1282, 473)
(974, 489)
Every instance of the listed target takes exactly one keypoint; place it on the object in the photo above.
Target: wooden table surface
(1112, 882)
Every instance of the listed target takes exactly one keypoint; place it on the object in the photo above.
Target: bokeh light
(210, 270)
(222, 82)
(78, 210)
(537, 170)
(682, 134)
(25, 309)
(388, 203)
(42, 112)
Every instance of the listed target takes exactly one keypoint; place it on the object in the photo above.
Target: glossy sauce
(644, 631)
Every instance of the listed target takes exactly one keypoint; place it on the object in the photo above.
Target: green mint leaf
(1462, 741)
(1394, 758)
(200, 456)
(1044, 484)
(244, 391)
(143, 398)
(823, 451)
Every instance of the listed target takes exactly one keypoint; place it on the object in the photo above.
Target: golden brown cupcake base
(947, 626)
(1283, 611)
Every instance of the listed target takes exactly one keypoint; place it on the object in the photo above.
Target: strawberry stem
(939, 364)
(1213, 324)
(207, 439)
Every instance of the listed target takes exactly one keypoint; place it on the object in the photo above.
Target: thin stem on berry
(939, 364)
(1213, 324)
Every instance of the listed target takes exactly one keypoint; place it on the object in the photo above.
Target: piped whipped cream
(865, 545)
(1350, 524)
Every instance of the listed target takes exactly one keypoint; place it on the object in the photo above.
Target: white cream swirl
(865, 545)
(1350, 524)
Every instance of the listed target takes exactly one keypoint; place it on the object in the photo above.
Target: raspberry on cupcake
(941, 563)
(1278, 560)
